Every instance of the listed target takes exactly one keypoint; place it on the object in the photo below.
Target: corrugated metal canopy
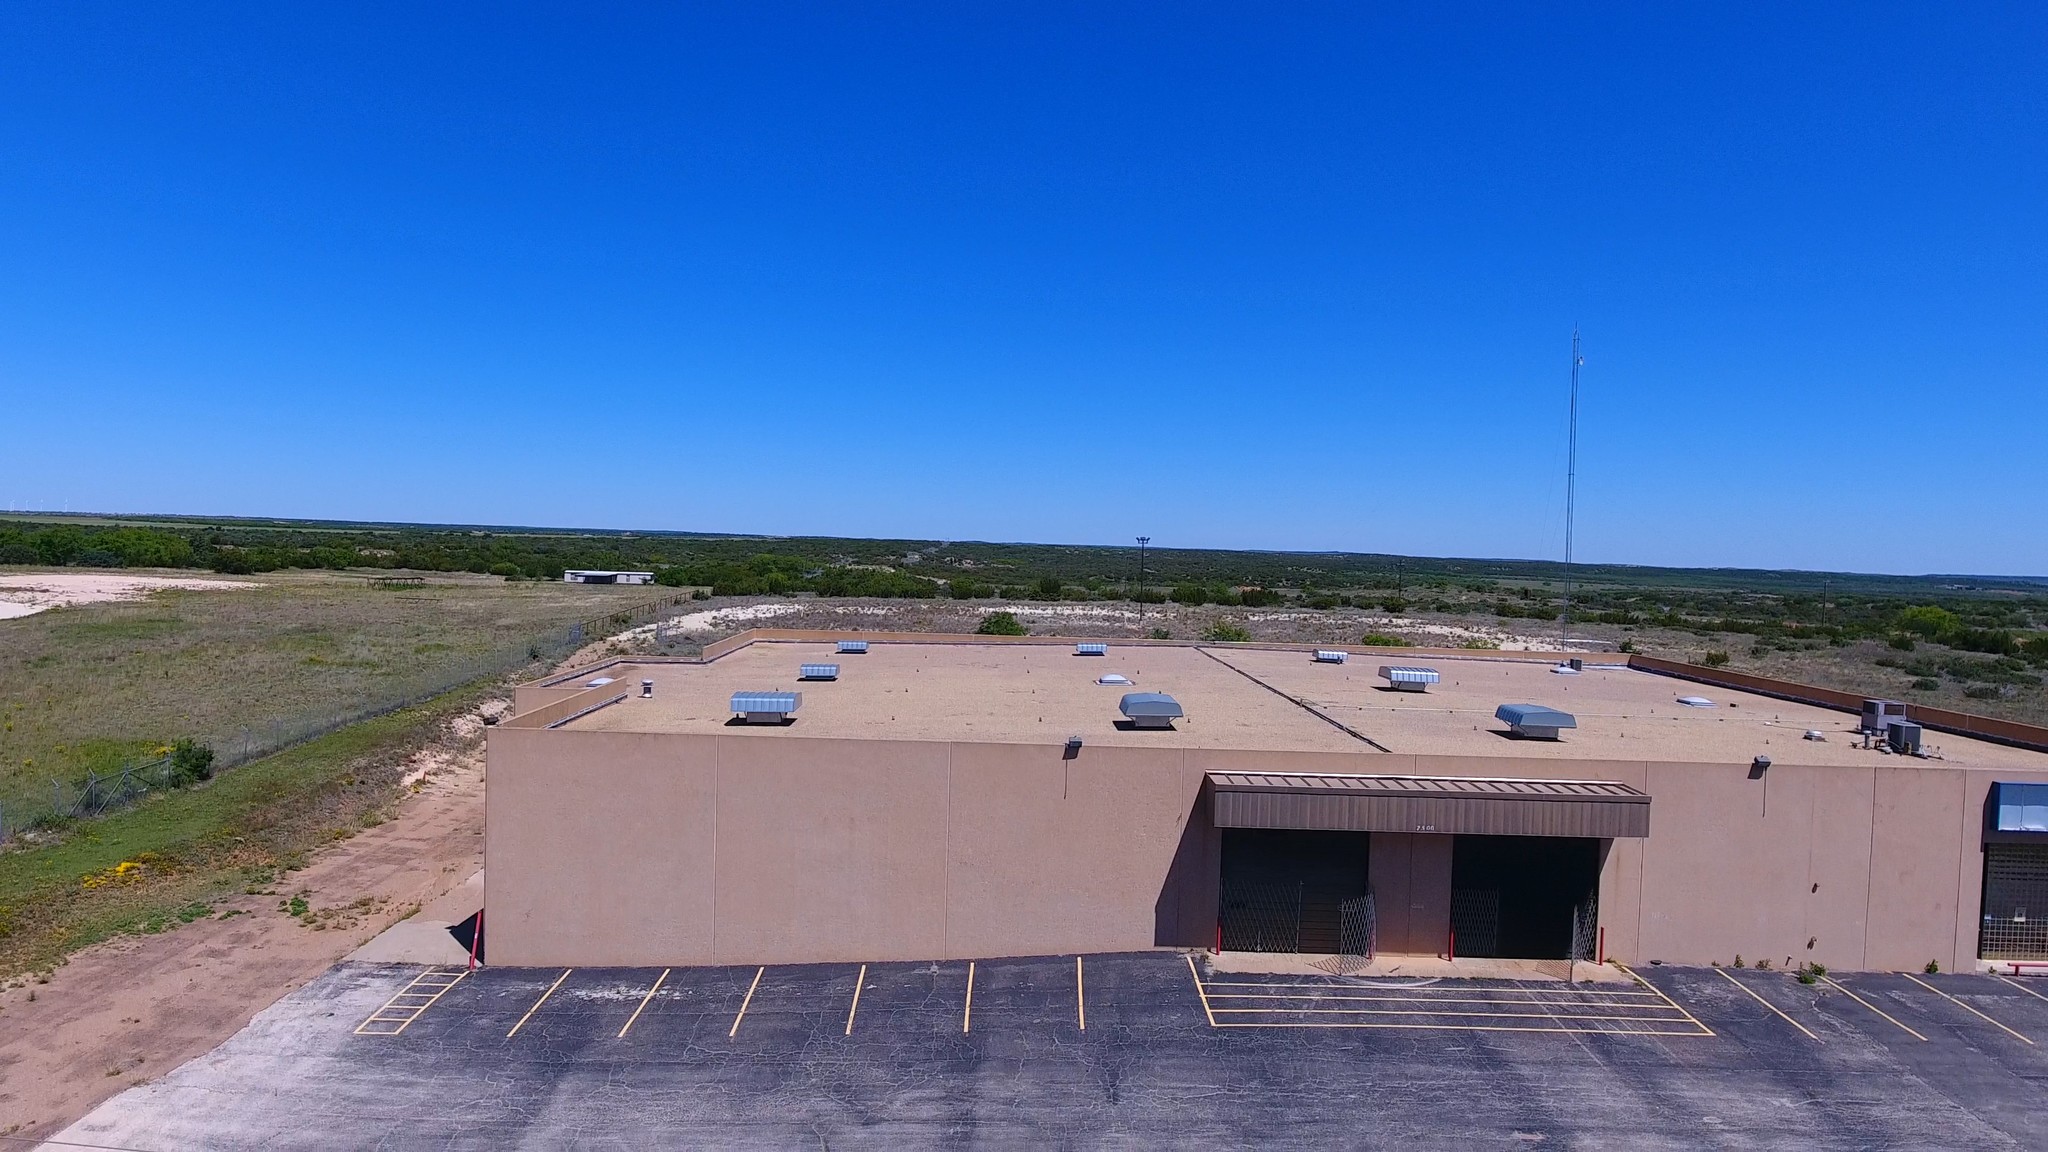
(1436, 804)
(818, 671)
(2019, 808)
(1401, 674)
(1091, 649)
(855, 646)
(1331, 656)
(784, 702)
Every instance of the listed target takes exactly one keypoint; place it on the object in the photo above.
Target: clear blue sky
(1297, 279)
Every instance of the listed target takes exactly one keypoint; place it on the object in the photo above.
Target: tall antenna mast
(1571, 485)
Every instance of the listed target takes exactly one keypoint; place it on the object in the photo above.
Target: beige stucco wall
(621, 848)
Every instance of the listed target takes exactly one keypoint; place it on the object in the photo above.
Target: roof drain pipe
(1298, 702)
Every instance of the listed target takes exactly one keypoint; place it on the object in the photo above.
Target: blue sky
(1300, 278)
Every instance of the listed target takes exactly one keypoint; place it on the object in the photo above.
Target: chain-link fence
(60, 801)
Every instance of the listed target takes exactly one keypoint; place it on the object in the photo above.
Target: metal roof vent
(766, 707)
(1406, 679)
(817, 671)
(1091, 649)
(1331, 656)
(647, 689)
(1150, 709)
(853, 647)
(600, 682)
(1534, 721)
(1695, 701)
(1113, 678)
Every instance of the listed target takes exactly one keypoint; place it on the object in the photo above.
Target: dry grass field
(91, 686)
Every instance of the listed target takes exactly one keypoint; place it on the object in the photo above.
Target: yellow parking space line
(1666, 997)
(1080, 996)
(537, 1003)
(743, 1004)
(402, 1015)
(1422, 989)
(967, 1010)
(1960, 1004)
(1469, 1028)
(643, 1002)
(858, 982)
(1580, 1018)
(1768, 1004)
(1222, 996)
(1830, 982)
(1201, 991)
(2018, 985)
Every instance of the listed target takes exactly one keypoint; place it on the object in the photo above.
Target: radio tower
(1571, 484)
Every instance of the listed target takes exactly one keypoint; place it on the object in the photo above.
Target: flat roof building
(975, 796)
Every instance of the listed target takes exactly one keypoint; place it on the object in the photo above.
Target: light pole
(1138, 593)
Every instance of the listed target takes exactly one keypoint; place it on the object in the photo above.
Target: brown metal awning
(1469, 805)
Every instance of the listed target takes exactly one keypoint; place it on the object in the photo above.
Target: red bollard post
(1451, 949)
(1602, 957)
(475, 935)
(1219, 938)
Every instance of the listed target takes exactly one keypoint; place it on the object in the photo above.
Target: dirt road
(134, 1008)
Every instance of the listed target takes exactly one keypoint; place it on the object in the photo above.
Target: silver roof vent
(766, 707)
(852, 647)
(817, 671)
(1091, 649)
(1150, 709)
(1331, 656)
(1534, 721)
(1406, 679)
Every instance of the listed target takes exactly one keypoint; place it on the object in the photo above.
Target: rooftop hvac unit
(817, 671)
(1404, 679)
(1150, 709)
(852, 647)
(1091, 649)
(1534, 721)
(1330, 656)
(1903, 736)
(1113, 678)
(767, 707)
(1878, 713)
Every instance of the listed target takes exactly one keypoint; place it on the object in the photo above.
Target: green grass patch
(184, 850)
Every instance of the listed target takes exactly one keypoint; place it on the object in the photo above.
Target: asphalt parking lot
(1140, 1049)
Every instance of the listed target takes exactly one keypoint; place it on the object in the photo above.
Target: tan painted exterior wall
(621, 848)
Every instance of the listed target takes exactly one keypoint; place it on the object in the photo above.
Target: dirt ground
(132, 1009)
(25, 594)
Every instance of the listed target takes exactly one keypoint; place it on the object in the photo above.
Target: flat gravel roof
(1247, 698)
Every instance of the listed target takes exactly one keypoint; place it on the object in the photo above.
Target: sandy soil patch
(26, 594)
(134, 1008)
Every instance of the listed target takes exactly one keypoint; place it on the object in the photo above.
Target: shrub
(1190, 594)
(1382, 640)
(1903, 642)
(191, 762)
(1149, 596)
(507, 569)
(1926, 684)
(964, 589)
(1929, 621)
(1000, 624)
(1628, 646)
(1933, 966)
(1394, 604)
(1161, 634)
(97, 558)
(1478, 643)
(1982, 692)
(1259, 598)
(1715, 659)
(1224, 632)
(1047, 588)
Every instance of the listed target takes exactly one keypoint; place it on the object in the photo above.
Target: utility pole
(1138, 593)
(1571, 484)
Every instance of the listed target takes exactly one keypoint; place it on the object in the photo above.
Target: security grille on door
(1261, 917)
(1357, 936)
(1475, 921)
(2015, 903)
(1586, 930)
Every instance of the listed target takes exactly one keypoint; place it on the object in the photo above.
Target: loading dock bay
(1130, 1048)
